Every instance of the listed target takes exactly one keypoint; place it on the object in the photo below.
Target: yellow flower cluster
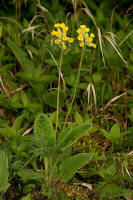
(61, 34)
(84, 38)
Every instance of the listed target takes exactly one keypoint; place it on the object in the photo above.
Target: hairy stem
(75, 88)
(58, 92)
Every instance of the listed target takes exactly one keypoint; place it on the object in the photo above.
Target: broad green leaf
(111, 169)
(4, 187)
(51, 99)
(24, 98)
(3, 123)
(33, 50)
(48, 78)
(3, 171)
(51, 62)
(7, 132)
(35, 107)
(63, 155)
(114, 134)
(72, 164)
(44, 126)
(28, 197)
(63, 134)
(82, 86)
(78, 118)
(53, 117)
(28, 188)
(26, 174)
(97, 77)
(16, 105)
(22, 75)
(131, 115)
(37, 73)
(73, 135)
(38, 87)
(100, 14)
(115, 131)
(17, 123)
(70, 79)
(25, 63)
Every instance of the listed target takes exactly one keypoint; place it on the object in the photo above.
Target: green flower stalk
(62, 40)
(84, 40)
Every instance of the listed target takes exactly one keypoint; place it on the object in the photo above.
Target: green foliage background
(28, 88)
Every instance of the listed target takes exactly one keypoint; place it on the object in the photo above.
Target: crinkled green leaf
(44, 126)
(3, 171)
(72, 164)
(71, 136)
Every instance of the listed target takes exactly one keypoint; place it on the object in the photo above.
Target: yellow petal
(57, 25)
(62, 25)
(87, 30)
(89, 39)
(70, 40)
(92, 35)
(57, 33)
(81, 44)
(57, 41)
(80, 37)
(63, 46)
(64, 38)
(79, 30)
(53, 33)
(65, 28)
(94, 46)
(82, 26)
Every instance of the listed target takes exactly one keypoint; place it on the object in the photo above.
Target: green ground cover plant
(66, 106)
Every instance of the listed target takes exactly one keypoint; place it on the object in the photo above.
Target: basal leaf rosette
(85, 39)
(60, 35)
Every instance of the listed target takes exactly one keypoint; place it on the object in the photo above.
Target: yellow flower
(89, 39)
(57, 25)
(82, 44)
(61, 35)
(63, 46)
(82, 26)
(64, 38)
(62, 25)
(80, 37)
(70, 40)
(53, 32)
(65, 28)
(79, 30)
(92, 35)
(94, 46)
(87, 30)
(57, 41)
(57, 33)
(85, 39)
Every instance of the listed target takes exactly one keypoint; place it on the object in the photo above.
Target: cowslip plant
(57, 159)
(62, 40)
(61, 35)
(85, 40)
